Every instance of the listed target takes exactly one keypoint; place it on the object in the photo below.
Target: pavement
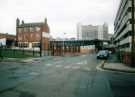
(118, 67)
(115, 66)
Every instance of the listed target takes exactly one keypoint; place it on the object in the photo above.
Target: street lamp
(41, 45)
(133, 35)
(63, 43)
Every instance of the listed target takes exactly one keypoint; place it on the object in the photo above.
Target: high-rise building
(79, 31)
(124, 28)
(90, 32)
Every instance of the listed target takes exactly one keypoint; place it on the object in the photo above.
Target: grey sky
(63, 15)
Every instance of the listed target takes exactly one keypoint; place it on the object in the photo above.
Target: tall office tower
(79, 31)
(90, 32)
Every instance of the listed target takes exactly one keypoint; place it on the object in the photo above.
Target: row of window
(124, 36)
(127, 45)
(125, 13)
(27, 45)
(29, 37)
(29, 29)
(121, 10)
(23, 44)
(35, 44)
(120, 24)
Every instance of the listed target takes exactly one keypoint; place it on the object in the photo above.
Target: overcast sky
(62, 15)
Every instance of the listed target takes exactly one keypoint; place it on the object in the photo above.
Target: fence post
(33, 51)
(1, 53)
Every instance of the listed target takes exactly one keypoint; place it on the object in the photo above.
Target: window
(19, 30)
(31, 29)
(37, 28)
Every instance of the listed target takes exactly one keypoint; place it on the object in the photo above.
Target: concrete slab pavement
(27, 60)
(116, 67)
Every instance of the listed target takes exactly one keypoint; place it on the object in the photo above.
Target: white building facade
(90, 32)
(123, 26)
(3, 42)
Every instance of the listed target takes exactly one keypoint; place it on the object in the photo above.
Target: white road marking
(58, 66)
(58, 62)
(48, 65)
(34, 73)
(67, 67)
(81, 63)
(83, 55)
(87, 69)
(76, 67)
(85, 62)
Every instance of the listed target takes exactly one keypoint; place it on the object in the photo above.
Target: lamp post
(63, 43)
(41, 45)
(133, 35)
(23, 41)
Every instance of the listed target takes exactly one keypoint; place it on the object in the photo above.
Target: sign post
(41, 45)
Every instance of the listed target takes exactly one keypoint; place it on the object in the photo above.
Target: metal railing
(17, 53)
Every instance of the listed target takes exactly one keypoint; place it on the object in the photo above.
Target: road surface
(74, 76)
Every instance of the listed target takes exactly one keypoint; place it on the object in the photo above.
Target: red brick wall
(28, 36)
(8, 36)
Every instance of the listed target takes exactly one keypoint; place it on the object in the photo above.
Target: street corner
(119, 67)
(100, 67)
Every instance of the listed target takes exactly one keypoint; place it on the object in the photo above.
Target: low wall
(126, 58)
(86, 50)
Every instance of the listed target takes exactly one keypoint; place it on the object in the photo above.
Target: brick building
(8, 36)
(31, 35)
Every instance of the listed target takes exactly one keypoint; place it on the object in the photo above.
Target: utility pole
(23, 41)
(133, 35)
(63, 47)
(41, 45)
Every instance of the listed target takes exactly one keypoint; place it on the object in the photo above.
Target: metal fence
(18, 53)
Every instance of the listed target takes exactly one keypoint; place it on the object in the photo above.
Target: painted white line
(67, 67)
(34, 73)
(48, 65)
(83, 55)
(58, 62)
(87, 69)
(76, 67)
(58, 66)
(79, 63)
(85, 62)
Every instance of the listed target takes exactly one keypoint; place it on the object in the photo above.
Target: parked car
(103, 54)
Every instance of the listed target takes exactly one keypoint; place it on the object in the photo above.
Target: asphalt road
(63, 77)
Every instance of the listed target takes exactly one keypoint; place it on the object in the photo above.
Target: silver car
(103, 54)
